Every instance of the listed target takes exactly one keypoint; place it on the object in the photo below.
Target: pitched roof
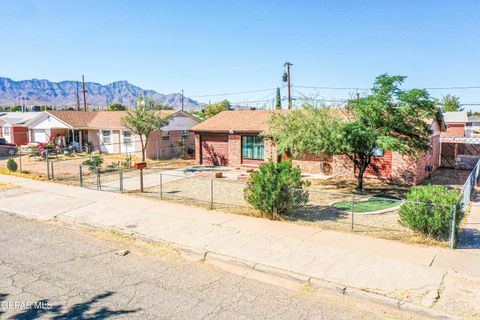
(18, 118)
(240, 120)
(113, 119)
(244, 120)
(75, 119)
(95, 119)
(455, 117)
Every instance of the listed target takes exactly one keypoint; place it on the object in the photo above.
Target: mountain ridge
(64, 94)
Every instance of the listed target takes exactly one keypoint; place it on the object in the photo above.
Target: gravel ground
(72, 275)
(228, 196)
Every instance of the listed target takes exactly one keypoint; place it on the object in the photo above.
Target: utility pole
(286, 78)
(182, 99)
(84, 96)
(78, 99)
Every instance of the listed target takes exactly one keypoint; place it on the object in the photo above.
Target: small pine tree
(278, 100)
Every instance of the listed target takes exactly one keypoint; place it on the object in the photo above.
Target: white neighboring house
(105, 132)
(13, 126)
(473, 126)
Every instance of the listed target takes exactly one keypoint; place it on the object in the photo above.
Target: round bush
(12, 165)
(94, 163)
(276, 188)
(429, 210)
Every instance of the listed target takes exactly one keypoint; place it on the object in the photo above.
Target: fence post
(51, 171)
(81, 174)
(48, 166)
(121, 180)
(99, 186)
(161, 186)
(20, 163)
(353, 211)
(211, 193)
(158, 157)
(453, 227)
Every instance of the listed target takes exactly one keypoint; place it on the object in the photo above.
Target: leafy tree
(473, 113)
(276, 188)
(387, 119)
(216, 108)
(451, 103)
(117, 107)
(163, 107)
(143, 121)
(16, 109)
(278, 100)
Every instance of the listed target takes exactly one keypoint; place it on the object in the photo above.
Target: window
(252, 147)
(185, 134)
(377, 152)
(107, 136)
(165, 135)
(127, 137)
(6, 131)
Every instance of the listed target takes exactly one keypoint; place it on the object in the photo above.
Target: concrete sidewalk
(469, 238)
(440, 280)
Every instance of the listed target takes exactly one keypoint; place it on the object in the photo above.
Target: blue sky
(228, 46)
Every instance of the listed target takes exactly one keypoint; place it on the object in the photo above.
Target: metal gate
(452, 147)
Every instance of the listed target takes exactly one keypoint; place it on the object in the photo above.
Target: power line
(232, 93)
(356, 88)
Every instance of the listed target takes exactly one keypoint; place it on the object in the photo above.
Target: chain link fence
(361, 214)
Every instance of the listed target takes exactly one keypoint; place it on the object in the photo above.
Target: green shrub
(276, 188)
(430, 210)
(94, 163)
(12, 165)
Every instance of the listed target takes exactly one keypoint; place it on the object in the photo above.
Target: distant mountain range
(64, 94)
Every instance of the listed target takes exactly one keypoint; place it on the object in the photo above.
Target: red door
(214, 150)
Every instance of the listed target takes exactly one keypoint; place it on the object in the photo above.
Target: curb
(262, 273)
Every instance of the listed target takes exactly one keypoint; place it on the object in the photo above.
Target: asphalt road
(50, 271)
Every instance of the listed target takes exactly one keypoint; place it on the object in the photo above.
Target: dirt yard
(449, 177)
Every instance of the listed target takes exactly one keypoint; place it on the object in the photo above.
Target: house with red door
(14, 126)
(240, 139)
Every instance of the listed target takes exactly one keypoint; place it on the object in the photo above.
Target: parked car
(7, 149)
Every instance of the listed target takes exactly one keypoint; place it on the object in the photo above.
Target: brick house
(455, 123)
(105, 131)
(234, 138)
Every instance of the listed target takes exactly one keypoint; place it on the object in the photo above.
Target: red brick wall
(198, 149)
(235, 151)
(454, 130)
(380, 167)
(157, 147)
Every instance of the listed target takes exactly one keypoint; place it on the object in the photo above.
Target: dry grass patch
(371, 187)
(7, 186)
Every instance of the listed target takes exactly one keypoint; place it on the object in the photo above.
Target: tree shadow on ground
(81, 311)
(469, 238)
(316, 213)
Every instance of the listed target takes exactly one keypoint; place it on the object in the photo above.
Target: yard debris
(122, 252)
